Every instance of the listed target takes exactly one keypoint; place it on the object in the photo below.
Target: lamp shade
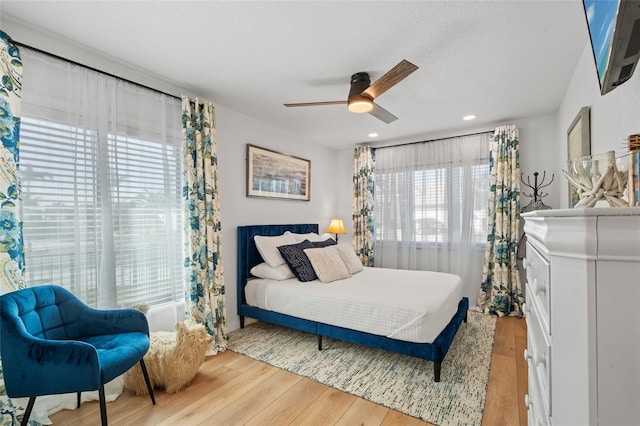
(336, 227)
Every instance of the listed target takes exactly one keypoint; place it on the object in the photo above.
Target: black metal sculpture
(537, 195)
(535, 204)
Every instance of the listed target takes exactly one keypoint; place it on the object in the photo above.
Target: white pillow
(264, 270)
(268, 247)
(327, 236)
(350, 258)
(327, 264)
(311, 236)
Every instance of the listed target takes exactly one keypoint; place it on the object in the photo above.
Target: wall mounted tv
(614, 28)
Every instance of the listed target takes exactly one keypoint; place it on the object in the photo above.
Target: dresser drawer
(538, 353)
(538, 278)
(537, 414)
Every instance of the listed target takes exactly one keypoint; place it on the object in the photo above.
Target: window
(434, 198)
(104, 223)
(430, 206)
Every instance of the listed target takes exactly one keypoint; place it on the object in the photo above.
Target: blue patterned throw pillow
(325, 243)
(298, 261)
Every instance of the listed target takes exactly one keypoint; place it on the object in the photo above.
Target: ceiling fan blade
(382, 114)
(394, 76)
(304, 104)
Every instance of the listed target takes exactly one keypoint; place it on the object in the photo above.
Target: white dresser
(583, 316)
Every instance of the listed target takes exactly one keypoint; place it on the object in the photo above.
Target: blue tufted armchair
(52, 343)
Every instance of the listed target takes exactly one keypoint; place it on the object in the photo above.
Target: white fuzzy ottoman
(173, 359)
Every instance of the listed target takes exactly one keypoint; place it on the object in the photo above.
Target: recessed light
(469, 117)
(373, 135)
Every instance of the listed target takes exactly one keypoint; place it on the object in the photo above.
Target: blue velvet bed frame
(248, 257)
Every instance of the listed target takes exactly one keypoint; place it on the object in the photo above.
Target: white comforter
(413, 306)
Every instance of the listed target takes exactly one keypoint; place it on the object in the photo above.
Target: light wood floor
(231, 389)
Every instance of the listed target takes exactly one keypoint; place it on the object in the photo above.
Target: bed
(248, 257)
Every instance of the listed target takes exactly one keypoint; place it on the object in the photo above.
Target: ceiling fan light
(360, 104)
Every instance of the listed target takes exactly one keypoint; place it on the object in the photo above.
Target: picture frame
(272, 174)
(578, 144)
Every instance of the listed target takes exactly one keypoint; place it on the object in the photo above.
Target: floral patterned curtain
(501, 292)
(363, 187)
(205, 274)
(11, 243)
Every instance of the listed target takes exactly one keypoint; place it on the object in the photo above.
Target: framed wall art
(578, 144)
(275, 175)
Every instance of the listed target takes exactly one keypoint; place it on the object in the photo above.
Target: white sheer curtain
(101, 177)
(431, 207)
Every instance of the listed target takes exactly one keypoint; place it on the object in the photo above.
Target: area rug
(400, 382)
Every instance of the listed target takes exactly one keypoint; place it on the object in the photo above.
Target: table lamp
(336, 227)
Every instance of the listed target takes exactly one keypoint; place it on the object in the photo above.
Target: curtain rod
(434, 140)
(53, 55)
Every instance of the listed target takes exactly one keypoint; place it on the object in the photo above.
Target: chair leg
(27, 412)
(146, 380)
(78, 406)
(103, 406)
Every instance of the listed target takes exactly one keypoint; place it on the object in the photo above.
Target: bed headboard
(248, 255)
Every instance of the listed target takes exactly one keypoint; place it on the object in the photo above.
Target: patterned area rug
(396, 381)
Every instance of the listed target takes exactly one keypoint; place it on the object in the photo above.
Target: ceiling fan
(362, 92)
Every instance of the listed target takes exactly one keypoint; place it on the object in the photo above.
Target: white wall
(235, 131)
(344, 194)
(614, 116)
(538, 152)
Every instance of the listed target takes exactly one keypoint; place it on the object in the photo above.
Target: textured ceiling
(499, 60)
